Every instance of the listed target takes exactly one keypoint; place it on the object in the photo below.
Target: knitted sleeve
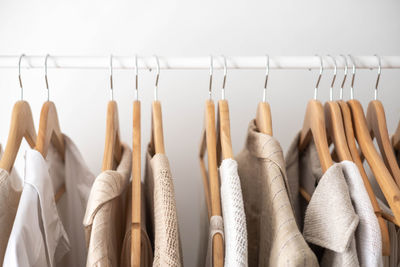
(233, 215)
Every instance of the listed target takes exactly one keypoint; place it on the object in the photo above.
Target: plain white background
(190, 28)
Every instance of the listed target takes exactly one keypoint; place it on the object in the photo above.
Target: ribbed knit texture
(233, 215)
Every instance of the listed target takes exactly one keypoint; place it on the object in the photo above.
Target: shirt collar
(37, 176)
(330, 220)
(264, 146)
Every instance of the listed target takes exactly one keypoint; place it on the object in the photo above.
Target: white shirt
(46, 233)
(236, 253)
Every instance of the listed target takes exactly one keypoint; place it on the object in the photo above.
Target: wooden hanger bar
(225, 129)
(136, 188)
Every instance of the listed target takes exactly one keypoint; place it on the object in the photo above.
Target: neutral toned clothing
(233, 215)
(104, 219)
(46, 233)
(329, 220)
(160, 199)
(273, 236)
(368, 234)
(10, 193)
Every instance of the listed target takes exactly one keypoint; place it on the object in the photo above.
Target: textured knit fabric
(163, 218)
(233, 214)
(104, 219)
(10, 193)
(273, 236)
(368, 234)
(46, 233)
(328, 221)
(146, 251)
(216, 227)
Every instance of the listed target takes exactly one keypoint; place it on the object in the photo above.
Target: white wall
(189, 28)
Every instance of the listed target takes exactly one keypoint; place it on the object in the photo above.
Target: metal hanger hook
(346, 67)
(19, 76)
(211, 76)
(266, 78)
(333, 79)
(45, 76)
(157, 78)
(321, 70)
(352, 77)
(136, 79)
(111, 78)
(379, 77)
(224, 81)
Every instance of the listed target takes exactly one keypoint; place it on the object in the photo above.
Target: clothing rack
(196, 63)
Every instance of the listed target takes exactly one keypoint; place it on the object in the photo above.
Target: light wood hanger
(49, 131)
(112, 147)
(224, 125)
(381, 173)
(314, 127)
(211, 183)
(157, 135)
(263, 115)
(376, 121)
(348, 125)
(136, 180)
(22, 126)
(334, 123)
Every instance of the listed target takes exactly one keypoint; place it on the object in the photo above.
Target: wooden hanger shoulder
(335, 130)
(225, 129)
(157, 128)
(21, 126)
(376, 121)
(112, 147)
(381, 173)
(264, 119)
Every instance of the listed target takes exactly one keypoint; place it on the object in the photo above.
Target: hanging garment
(146, 251)
(233, 215)
(160, 198)
(273, 236)
(104, 219)
(46, 233)
(328, 221)
(368, 234)
(10, 193)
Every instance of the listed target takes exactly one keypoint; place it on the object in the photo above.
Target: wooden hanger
(22, 126)
(364, 140)
(211, 183)
(112, 147)
(136, 181)
(224, 125)
(348, 125)
(376, 121)
(263, 116)
(314, 127)
(334, 123)
(157, 135)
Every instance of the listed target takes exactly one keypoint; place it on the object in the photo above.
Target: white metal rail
(196, 63)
